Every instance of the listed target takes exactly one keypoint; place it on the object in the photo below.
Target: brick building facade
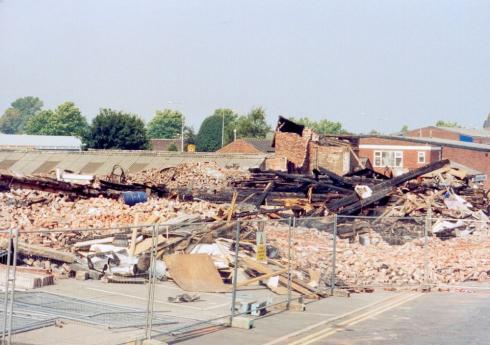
(450, 133)
(403, 154)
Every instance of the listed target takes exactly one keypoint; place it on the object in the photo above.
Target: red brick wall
(434, 132)
(294, 147)
(410, 156)
(239, 146)
(477, 160)
(163, 144)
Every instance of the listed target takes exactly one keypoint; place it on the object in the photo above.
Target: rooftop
(40, 142)
(263, 145)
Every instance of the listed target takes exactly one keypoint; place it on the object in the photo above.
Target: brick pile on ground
(193, 176)
(378, 263)
(33, 210)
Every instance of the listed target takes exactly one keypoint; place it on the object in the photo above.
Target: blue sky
(368, 64)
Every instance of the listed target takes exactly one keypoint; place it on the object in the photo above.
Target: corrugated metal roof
(40, 142)
(101, 162)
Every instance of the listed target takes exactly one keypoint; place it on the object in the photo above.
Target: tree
(166, 124)
(172, 147)
(404, 129)
(252, 125)
(112, 129)
(10, 121)
(27, 107)
(66, 119)
(209, 136)
(323, 126)
(40, 123)
(442, 123)
(189, 135)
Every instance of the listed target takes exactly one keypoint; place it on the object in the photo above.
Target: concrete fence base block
(242, 322)
(297, 306)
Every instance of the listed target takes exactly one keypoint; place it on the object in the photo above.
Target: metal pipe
(235, 273)
(9, 326)
(332, 281)
(292, 222)
(7, 280)
(150, 296)
(428, 224)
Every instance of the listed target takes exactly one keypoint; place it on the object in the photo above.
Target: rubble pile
(199, 176)
(34, 210)
(375, 262)
(197, 234)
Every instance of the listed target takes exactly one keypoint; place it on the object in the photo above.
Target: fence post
(292, 222)
(151, 283)
(428, 224)
(334, 253)
(235, 272)
(14, 266)
(7, 281)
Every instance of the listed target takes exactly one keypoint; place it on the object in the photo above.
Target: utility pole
(234, 134)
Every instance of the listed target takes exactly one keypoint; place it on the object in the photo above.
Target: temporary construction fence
(293, 259)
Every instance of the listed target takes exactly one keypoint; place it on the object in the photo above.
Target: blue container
(133, 198)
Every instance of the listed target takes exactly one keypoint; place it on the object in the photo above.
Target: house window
(392, 159)
(421, 157)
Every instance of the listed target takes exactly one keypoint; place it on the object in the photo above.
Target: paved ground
(381, 318)
(459, 317)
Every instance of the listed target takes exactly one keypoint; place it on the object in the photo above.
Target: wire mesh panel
(458, 251)
(379, 252)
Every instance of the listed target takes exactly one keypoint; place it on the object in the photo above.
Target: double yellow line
(390, 304)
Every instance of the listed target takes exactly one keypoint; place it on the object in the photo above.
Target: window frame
(421, 154)
(394, 155)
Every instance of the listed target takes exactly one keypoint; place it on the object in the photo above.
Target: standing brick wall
(478, 160)
(334, 158)
(294, 147)
(435, 132)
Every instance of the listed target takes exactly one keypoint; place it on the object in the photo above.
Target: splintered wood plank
(194, 273)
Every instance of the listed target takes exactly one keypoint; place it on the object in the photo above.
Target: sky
(368, 64)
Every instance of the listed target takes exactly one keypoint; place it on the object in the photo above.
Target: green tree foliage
(40, 124)
(21, 110)
(442, 123)
(323, 126)
(112, 129)
(189, 135)
(209, 136)
(404, 129)
(166, 124)
(172, 147)
(252, 125)
(10, 121)
(66, 119)
(28, 107)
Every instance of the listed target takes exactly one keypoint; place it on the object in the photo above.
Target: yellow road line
(282, 339)
(354, 320)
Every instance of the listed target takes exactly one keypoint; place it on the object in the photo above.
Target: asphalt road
(448, 318)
